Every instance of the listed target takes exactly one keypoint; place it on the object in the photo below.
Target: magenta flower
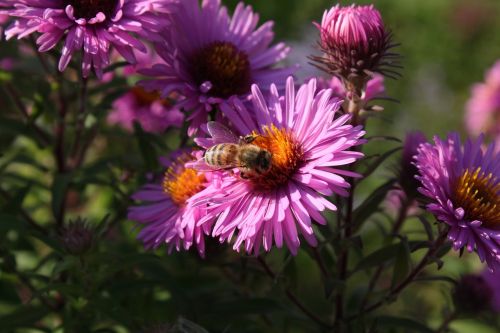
(89, 26)
(166, 213)
(483, 108)
(374, 87)
(210, 57)
(355, 44)
(308, 142)
(155, 114)
(462, 184)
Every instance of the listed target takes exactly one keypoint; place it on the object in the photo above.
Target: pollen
(224, 66)
(88, 9)
(182, 183)
(287, 157)
(478, 194)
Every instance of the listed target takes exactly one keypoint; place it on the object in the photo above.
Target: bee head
(264, 161)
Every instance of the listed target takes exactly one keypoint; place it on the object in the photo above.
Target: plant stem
(291, 296)
(81, 116)
(402, 214)
(446, 322)
(413, 274)
(11, 91)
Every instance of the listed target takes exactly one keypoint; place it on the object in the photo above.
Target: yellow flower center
(226, 67)
(181, 183)
(287, 157)
(88, 9)
(478, 194)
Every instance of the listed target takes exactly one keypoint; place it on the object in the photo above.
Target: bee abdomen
(220, 155)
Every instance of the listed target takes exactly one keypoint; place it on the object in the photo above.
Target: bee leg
(247, 138)
(243, 175)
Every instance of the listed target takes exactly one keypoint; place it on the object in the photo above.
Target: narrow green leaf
(372, 203)
(402, 263)
(378, 257)
(378, 162)
(408, 324)
(145, 146)
(23, 317)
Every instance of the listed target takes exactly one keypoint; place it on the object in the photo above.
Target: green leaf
(371, 168)
(146, 147)
(247, 306)
(372, 203)
(25, 316)
(402, 264)
(378, 257)
(408, 324)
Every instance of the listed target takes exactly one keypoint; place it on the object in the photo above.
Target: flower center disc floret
(287, 157)
(181, 183)
(479, 195)
(88, 9)
(224, 66)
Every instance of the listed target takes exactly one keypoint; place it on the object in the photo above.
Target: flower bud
(355, 44)
(77, 237)
(472, 294)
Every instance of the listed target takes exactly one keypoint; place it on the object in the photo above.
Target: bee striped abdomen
(221, 155)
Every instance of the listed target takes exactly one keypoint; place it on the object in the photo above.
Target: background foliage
(118, 287)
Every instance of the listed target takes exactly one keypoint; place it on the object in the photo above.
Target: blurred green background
(446, 45)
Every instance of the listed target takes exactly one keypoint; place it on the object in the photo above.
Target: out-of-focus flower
(472, 294)
(355, 44)
(210, 57)
(155, 114)
(493, 280)
(77, 237)
(374, 87)
(87, 26)
(307, 147)
(462, 184)
(406, 192)
(407, 169)
(166, 213)
(483, 108)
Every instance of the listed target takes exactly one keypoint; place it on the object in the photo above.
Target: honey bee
(230, 152)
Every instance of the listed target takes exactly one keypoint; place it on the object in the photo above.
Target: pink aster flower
(92, 27)
(209, 56)
(355, 44)
(462, 184)
(483, 108)
(155, 114)
(308, 142)
(166, 213)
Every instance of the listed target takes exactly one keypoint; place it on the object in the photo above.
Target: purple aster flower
(472, 294)
(90, 26)
(307, 148)
(493, 280)
(166, 213)
(462, 184)
(355, 44)
(483, 108)
(209, 56)
(155, 114)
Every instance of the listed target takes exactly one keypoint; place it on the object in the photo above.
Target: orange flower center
(478, 194)
(287, 157)
(181, 183)
(88, 9)
(226, 67)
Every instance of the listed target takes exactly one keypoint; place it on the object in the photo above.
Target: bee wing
(220, 133)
